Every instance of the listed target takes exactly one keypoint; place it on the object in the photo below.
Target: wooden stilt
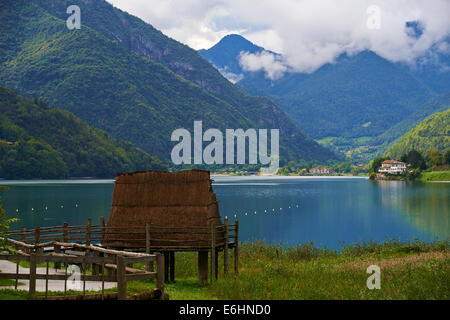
(202, 267)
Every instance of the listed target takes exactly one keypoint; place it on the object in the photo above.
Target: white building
(392, 167)
(319, 171)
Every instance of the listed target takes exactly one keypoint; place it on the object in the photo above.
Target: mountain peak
(234, 44)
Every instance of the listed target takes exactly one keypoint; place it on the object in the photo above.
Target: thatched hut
(162, 199)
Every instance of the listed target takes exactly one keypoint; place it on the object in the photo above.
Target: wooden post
(32, 284)
(95, 267)
(37, 235)
(147, 246)
(88, 231)
(213, 252)
(172, 266)
(160, 272)
(65, 232)
(225, 250)
(202, 267)
(121, 281)
(37, 239)
(102, 225)
(166, 266)
(57, 249)
(24, 229)
(88, 241)
(236, 248)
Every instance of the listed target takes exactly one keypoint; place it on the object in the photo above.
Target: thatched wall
(164, 199)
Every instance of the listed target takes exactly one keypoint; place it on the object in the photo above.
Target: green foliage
(436, 104)
(376, 164)
(5, 222)
(414, 159)
(447, 157)
(51, 143)
(431, 133)
(121, 75)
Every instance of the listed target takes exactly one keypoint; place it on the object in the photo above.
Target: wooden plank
(40, 276)
(141, 276)
(127, 269)
(13, 257)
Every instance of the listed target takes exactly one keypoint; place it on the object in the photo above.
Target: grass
(409, 270)
(435, 176)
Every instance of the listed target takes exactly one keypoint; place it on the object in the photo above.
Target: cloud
(271, 64)
(307, 33)
(232, 77)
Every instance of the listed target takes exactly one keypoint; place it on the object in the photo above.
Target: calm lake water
(327, 211)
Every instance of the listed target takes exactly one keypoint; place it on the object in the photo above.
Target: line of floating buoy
(274, 211)
(45, 208)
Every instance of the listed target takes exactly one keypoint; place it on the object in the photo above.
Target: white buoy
(281, 208)
(76, 205)
(46, 208)
(235, 216)
(273, 209)
(62, 207)
(265, 210)
(32, 209)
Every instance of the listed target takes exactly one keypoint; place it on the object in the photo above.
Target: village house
(392, 167)
(319, 171)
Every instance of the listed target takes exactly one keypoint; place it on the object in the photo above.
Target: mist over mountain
(360, 95)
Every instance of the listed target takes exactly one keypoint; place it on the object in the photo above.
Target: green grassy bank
(435, 176)
(409, 270)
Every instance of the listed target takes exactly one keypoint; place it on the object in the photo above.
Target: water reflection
(424, 205)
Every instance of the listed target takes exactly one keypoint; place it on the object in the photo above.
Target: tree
(434, 158)
(447, 157)
(376, 163)
(415, 160)
(4, 223)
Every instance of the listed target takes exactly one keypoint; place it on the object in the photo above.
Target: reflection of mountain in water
(425, 205)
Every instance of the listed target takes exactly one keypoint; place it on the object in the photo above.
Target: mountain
(436, 104)
(225, 55)
(37, 141)
(121, 75)
(431, 133)
(361, 95)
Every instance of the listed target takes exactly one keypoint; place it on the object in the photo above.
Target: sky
(307, 33)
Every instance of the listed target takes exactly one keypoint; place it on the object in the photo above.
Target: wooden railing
(148, 238)
(101, 260)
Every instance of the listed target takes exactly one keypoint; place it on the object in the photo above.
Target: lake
(329, 211)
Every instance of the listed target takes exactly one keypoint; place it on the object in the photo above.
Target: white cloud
(232, 77)
(272, 66)
(308, 33)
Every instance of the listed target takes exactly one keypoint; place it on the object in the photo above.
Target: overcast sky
(307, 33)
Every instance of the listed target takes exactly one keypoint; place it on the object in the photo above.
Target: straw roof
(163, 199)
